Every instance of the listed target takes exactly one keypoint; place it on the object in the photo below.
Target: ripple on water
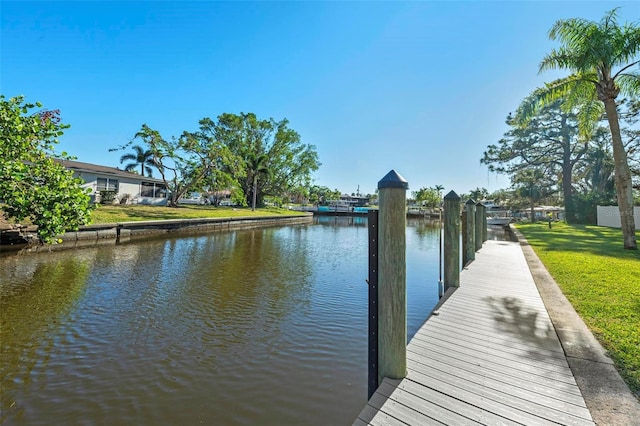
(255, 327)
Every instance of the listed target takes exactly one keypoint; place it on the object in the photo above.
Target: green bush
(107, 196)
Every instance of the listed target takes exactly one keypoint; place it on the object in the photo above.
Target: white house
(129, 187)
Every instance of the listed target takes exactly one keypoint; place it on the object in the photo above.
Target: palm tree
(256, 166)
(140, 157)
(591, 51)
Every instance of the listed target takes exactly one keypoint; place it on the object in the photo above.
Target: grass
(134, 213)
(602, 282)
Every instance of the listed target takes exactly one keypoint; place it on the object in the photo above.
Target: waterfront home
(113, 185)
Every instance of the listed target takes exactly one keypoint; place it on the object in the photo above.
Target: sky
(420, 87)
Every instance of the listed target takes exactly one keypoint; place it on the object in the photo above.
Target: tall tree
(33, 185)
(591, 51)
(479, 194)
(428, 197)
(191, 162)
(289, 160)
(140, 157)
(501, 196)
(321, 194)
(549, 142)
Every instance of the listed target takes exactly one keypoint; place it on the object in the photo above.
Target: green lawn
(131, 213)
(602, 282)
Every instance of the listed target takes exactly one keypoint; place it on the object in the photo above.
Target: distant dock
(359, 211)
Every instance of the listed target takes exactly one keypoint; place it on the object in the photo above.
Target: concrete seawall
(122, 232)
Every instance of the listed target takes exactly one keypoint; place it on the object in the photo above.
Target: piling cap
(478, 204)
(470, 202)
(393, 180)
(452, 196)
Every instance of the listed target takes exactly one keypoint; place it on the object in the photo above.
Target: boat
(336, 206)
(499, 217)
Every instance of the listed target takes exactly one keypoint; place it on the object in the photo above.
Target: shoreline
(124, 232)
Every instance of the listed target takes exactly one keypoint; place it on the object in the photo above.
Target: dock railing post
(463, 233)
(372, 219)
(479, 222)
(451, 240)
(392, 285)
(469, 234)
(484, 223)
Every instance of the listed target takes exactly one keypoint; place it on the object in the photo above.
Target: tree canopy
(236, 152)
(319, 195)
(33, 186)
(286, 164)
(194, 161)
(429, 197)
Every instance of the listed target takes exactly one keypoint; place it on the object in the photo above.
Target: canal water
(264, 326)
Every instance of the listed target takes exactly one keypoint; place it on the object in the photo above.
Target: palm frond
(568, 31)
(629, 84)
(589, 113)
(127, 157)
(131, 167)
(624, 69)
(560, 58)
(558, 90)
(588, 46)
(626, 40)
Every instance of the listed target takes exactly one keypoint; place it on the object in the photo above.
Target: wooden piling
(463, 233)
(479, 222)
(484, 223)
(392, 291)
(451, 240)
(469, 234)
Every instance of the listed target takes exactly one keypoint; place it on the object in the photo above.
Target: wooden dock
(488, 355)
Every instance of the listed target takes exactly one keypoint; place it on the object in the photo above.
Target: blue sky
(419, 87)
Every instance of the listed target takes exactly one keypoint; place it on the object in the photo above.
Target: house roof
(78, 167)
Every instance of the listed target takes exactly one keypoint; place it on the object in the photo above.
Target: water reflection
(31, 316)
(341, 220)
(260, 326)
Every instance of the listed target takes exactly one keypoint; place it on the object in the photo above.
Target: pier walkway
(488, 355)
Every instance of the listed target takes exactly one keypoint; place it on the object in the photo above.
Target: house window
(153, 190)
(106, 184)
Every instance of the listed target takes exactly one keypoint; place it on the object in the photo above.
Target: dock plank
(476, 331)
(537, 384)
(490, 355)
(507, 348)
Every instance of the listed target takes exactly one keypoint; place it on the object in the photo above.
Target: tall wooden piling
(469, 234)
(451, 240)
(463, 225)
(484, 223)
(479, 222)
(392, 285)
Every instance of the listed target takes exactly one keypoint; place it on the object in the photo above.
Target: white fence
(610, 216)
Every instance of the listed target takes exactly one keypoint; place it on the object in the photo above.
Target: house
(125, 187)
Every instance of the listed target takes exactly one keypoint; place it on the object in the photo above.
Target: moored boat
(503, 217)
